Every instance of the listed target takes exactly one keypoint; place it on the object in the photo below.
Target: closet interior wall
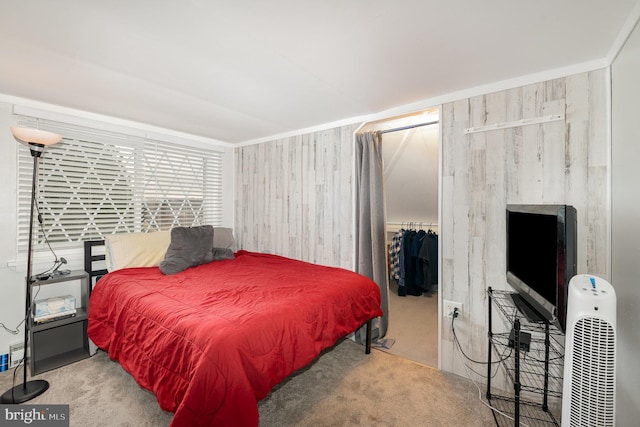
(411, 178)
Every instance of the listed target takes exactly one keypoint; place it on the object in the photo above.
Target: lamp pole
(30, 389)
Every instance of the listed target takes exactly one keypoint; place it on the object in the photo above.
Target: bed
(212, 340)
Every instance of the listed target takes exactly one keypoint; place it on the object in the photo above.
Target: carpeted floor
(343, 387)
(413, 325)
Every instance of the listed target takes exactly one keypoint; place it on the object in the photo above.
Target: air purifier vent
(589, 388)
(593, 367)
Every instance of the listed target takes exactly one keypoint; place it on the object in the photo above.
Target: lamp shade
(35, 136)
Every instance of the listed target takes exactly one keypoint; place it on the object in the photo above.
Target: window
(94, 183)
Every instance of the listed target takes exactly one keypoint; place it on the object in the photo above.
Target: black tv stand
(531, 356)
(530, 313)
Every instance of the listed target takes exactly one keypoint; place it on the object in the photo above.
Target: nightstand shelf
(70, 356)
(80, 315)
(60, 342)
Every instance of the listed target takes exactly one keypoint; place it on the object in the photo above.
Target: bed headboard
(90, 258)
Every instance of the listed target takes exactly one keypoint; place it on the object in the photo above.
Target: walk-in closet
(410, 148)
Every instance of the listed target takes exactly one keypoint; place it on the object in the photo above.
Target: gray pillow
(223, 238)
(222, 253)
(190, 246)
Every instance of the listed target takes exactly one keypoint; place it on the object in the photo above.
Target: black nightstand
(60, 342)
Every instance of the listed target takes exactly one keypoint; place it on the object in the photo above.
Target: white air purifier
(589, 384)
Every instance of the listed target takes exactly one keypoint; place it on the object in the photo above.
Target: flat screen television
(541, 259)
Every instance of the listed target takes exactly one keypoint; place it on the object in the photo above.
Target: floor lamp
(36, 140)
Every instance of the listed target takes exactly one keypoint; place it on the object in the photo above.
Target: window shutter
(96, 182)
(180, 186)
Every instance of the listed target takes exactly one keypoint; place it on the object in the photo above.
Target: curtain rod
(410, 127)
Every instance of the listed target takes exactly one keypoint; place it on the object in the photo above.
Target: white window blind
(97, 182)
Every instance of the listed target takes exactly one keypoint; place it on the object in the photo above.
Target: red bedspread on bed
(213, 340)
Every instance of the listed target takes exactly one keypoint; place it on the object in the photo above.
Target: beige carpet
(413, 324)
(343, 387)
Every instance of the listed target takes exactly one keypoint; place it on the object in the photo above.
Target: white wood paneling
(294, 197)
(541, 163)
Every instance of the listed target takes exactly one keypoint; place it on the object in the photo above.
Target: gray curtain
(371, 252)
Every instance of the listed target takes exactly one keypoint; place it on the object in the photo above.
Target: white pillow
(136, 249)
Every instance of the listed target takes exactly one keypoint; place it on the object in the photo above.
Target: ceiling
(242, 70)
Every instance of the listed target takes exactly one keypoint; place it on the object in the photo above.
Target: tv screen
(541, 256)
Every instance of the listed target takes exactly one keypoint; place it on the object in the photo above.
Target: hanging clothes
(429, 256)
(394, 255)
(413, 258)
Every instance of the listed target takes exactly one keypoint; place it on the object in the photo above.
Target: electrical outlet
(449, 306)
(16, 354)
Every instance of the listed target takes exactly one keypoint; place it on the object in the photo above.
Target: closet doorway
(410, 150)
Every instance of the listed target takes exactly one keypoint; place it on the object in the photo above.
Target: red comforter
(214, 339)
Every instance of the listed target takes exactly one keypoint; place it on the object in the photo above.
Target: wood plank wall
(557, 162)
(294, 197)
